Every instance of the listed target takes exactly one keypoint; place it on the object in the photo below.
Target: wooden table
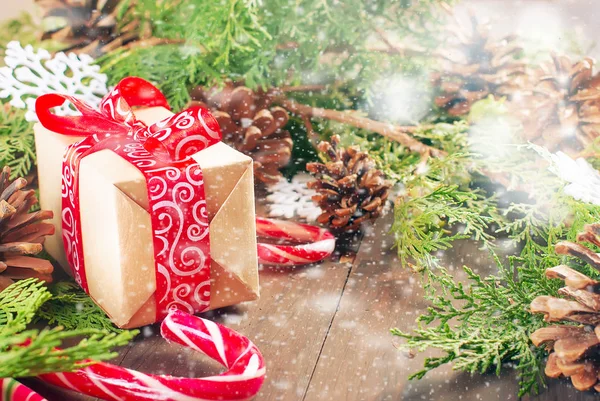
(324, 332)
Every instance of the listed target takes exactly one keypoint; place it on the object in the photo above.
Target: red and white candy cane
(316, 243)
(242, 380)
(12, 390)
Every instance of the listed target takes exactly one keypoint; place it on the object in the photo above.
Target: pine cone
(21, 233)
(86, 26)
(479, 67)
(251, 125)
(561, 110)
(574, 349)
(350, 189)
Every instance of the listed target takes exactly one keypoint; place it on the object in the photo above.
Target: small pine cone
(251, 125)
(87, 26)
(21, 233)
(574, 350)
(561, 108)
(479, 67)
(350, 189)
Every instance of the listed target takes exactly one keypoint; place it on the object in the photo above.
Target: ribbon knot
(174, 139)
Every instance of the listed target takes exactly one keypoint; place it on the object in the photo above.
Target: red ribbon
(161, 152)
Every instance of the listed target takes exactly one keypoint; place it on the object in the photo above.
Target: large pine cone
(477, 67)
(350, 189)
(561, 110)
(251, 124)
(21, 233)
(574, 349)
(86, 26)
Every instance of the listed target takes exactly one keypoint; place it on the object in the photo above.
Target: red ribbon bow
(175, 138)
(161, 152)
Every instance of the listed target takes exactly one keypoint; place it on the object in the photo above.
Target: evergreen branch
(35, 352)
(472, 344)
(71, 308)
(271, 42)
(30, 352)
(19, 303)
(419, 221)
(17, 145)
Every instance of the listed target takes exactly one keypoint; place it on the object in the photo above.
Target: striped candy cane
(12, 390)
(316, 243)
(242, 380)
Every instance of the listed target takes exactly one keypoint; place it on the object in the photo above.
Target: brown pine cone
(21, 233)
(251, 124)
(574, 350)
(86, 26)
(350, 189)
(561, 109)
(478, 66)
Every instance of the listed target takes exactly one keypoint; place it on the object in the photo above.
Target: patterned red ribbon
(175, 184)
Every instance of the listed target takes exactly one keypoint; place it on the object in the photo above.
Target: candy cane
(318, 242)
(242, 380)
(12, 390)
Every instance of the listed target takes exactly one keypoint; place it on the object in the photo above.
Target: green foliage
(266, 42)
(436, 205)
(71, 308)
(174, 69)
(28, 351)
(535, 225)
(420, 222)
(471, 343)
(21, 28)
(17, 145)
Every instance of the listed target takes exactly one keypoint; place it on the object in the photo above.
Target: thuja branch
(400, 134)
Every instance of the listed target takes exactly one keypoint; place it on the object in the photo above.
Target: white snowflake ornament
(29, 74)
(293, 199)
(583, 180)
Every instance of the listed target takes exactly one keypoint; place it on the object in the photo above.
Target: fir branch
(17, 145)
(419, 223)
(30, 352)
(435, 206)
(270, 42)
(35, 352)
(71, 308)
(472, 344)
(19, 303)
(174, 69)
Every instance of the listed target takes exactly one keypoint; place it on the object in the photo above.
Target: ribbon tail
(89, 123)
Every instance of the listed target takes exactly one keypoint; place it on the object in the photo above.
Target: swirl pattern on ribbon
(175, 184)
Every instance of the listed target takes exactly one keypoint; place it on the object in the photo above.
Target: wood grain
(360, 361)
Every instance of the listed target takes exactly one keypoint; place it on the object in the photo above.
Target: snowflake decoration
(583, 180)
(29, 74)
(293, 199)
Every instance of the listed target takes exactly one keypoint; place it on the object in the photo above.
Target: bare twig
(154, 42)
(313, 137)
(400, 134)
(396, 48)
(303, 88)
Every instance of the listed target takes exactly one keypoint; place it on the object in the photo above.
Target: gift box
(115, 223)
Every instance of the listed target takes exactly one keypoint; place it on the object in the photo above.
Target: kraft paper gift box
(116, 225)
